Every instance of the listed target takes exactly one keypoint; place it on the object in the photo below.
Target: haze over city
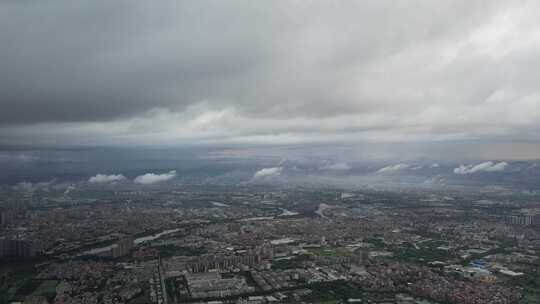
(269, 151)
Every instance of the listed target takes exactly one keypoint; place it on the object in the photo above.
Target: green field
(46, 288)
(32, 287)
(531, 297)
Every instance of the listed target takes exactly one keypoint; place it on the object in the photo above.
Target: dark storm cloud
(97, 60)
(63, 61)
(275, 71)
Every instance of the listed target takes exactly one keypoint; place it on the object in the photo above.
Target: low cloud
(336, 167)
(20, 157)
(30, 187)
(69, 189)
(104, 178)
(393, 168)
(23, 186)
(482, 167)
(151, 178)
(267, 172)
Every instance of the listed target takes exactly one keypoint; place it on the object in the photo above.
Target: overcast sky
(279, 72)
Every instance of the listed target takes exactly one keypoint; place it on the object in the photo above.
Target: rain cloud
(268, 72)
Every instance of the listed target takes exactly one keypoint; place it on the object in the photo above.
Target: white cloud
(393, 168)
(30, 187)
(23, 186)
(482, 167)
(336, 167)
(151, 178)
(435, 165)
(268, 172)
(104, 178)
(69, 189)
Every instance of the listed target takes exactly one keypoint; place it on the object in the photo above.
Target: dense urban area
(263, 244)
(267, 152)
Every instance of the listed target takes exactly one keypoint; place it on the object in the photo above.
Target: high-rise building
(17, 248)
(523, 220)
(122, 247)
(6, 218)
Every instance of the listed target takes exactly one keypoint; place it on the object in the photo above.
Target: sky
(122, 73)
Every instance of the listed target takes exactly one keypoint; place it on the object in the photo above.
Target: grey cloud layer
(286, 71)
